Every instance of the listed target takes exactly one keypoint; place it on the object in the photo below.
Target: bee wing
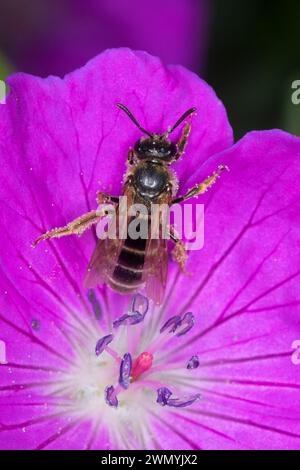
(104, 257)
(156, 269)
(156, 256)
(103, 262)
(106, 253)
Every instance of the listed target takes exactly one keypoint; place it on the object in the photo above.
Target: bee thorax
(150, 180)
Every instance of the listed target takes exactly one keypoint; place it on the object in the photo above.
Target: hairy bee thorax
(150, 180)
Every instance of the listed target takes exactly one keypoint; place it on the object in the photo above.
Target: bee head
(155, 148)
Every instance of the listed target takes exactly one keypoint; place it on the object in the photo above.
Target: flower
(84, 369)
(57, 37)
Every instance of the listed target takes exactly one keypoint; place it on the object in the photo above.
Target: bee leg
(76, 227)
(131, 157)
(179, 253)
(103, 198)
(202, 187)
(183, 140)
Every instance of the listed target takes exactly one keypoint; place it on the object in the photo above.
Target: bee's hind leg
(179, 253)
(76, 227)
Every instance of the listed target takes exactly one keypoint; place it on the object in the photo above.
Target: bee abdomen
(128, 273)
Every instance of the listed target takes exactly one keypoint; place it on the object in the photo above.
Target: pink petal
(245, 293)
(244, 290)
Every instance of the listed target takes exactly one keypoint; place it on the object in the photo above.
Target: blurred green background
(252, 58)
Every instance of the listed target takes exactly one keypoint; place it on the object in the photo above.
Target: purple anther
(139, 308)
(164, 399)
(187, 323)
(125, 371)
(123, 320)
(140, 305)
(172, 324)
(102, 343)
(163, 395)
(193, 363)
(177, 403)
(128, 320)
(136, 318)
(110, 396)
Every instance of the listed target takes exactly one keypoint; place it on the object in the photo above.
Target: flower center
(130, 371)
(142, 363)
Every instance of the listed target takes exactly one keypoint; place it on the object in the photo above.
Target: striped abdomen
(127, 276)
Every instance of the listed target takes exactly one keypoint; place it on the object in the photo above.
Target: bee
(130, 264)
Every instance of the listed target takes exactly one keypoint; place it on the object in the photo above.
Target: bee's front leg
(103, 198)
(202, 187)
(131, 157)
(179, 253)
(181, 145)
(76, 227)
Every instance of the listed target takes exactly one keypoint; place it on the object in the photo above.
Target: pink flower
(227, 383)
(55, 37)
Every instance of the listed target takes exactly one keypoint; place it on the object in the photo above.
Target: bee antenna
(182, 118)
(126, 110)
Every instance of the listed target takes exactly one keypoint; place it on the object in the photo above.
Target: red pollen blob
(142, 363)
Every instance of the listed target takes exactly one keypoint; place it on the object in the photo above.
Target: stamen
(139, 308)
(113, 354)
(188, 321)
(184, 324)
(110, 396)
(128, 320)
(171, 324)
(102, 344)
(140, 304)
(131, 371)
(163, 399)
(193, 363)
(142, 363)
(163, 395)
(177, 403)
(91, 295)
(125, 371)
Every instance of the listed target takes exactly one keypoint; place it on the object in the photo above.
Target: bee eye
(139, 148)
